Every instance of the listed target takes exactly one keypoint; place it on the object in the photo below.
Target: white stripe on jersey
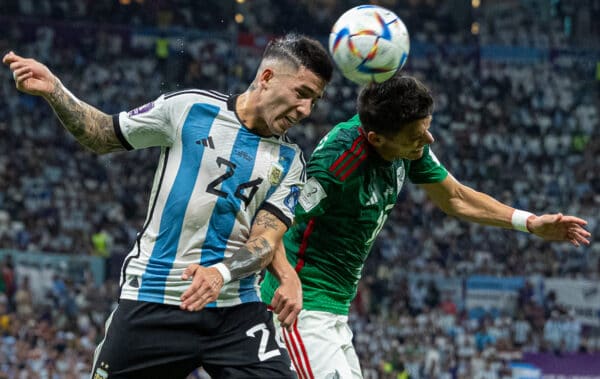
(213, 177)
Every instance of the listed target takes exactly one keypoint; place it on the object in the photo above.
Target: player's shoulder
(342, 151)
(286, 141)
(194, 95)
(341, 138)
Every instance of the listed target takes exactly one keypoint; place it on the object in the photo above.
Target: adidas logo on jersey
(206, 142)
(373, 200)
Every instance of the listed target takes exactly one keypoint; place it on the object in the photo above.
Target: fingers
(190, 295)
(576, 235)
(581, 236)
(287, 320)
(10, 58)
(573, 219)
(205, 287)
(189, 271)
(197, 302)
(22, 74)
(197, 296)
(277, 303)
(287, 309)
(18, 67)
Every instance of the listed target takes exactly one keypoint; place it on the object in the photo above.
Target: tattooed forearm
(253, 257)
(91, 127)
(267, 220)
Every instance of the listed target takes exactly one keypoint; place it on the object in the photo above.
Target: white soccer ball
(369, 44)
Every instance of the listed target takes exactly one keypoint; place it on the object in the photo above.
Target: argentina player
(223, 195)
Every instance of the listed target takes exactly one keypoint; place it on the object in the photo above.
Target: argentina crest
(275, 173)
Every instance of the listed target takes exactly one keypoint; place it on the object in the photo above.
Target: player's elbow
(456, 204)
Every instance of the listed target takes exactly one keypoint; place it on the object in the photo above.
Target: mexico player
(355, 175)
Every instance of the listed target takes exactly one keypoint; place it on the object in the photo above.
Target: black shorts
(157, 341)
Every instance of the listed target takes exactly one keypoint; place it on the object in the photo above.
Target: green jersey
(347, 198)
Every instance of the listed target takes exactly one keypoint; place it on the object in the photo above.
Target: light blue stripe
(223, 218)
(196, 127)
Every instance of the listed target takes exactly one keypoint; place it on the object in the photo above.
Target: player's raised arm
(461, 201)
(267, 231)
(91, 127)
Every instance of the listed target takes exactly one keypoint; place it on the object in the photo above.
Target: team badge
(275, 173)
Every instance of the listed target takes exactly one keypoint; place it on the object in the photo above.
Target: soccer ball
(369, 44)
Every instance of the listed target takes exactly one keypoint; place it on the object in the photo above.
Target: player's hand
(557, 227)
(287, 300)
(30, 76)
(206, 285)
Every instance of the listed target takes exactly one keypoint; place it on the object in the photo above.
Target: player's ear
(266, 75)
(375, 139)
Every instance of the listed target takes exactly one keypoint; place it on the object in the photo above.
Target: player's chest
(233, 164)
(379, 187)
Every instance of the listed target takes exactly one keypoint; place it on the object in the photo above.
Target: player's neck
(246, 109)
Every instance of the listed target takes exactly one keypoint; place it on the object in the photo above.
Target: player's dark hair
(385, 108)
(301, 51)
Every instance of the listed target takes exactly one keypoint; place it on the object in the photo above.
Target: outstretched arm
(267, 231)
(464, 202)
(91, 127)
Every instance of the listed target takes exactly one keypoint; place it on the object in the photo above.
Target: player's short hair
(300, 50)
(385, 108)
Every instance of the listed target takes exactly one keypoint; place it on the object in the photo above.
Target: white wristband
(224, 271)
(519, 220)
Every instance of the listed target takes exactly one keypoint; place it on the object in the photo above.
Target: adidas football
(369, 43)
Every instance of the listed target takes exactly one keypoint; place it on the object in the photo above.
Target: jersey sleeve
(284, 198)
(152, 124)
(427, 169)
(321, 185)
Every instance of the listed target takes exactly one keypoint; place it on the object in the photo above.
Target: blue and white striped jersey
(212, 178)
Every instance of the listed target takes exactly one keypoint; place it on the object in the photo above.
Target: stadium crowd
(526, 132)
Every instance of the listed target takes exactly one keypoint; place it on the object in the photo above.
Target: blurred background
(517, 90)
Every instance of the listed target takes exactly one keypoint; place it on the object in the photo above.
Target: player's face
(290, 97)
(409, 143)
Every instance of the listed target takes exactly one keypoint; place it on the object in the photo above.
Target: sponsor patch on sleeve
(311, 194)
(142, 109)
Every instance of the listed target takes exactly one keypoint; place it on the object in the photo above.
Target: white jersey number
(380, 222)
(263, 354)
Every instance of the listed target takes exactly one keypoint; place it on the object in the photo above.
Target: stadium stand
(517, 113)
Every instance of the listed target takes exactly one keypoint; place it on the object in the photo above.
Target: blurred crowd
(524, 132)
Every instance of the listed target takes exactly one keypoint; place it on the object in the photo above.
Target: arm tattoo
(251, 258)
(267, 220)
(91, 127)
